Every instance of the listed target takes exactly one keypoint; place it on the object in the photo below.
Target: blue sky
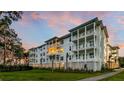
(36, 27)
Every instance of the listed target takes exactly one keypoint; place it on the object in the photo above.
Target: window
(91, 55)
(62, 41)
(43, 54)
(57, 57)
(35, 55)
(79, 56)
(70, 39)
(76, 56)
(70, 48)
(83, 56)
(41, 60)
(91, 43)
(69, 57)
(40, 54)
(61, 58)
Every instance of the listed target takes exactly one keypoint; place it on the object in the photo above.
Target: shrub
(10, 68)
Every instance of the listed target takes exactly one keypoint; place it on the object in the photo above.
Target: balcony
(90, 44)
(90, 32)
(81, 35)
(78, 59)
(74, 38)
(74, 48)
(82, 47)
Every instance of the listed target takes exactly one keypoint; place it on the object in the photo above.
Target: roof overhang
(84, 24)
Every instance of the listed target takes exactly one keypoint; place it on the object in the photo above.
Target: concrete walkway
(96, 78)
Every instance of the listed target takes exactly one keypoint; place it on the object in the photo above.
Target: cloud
(24, 21)
(121, 52)
(120, 19)
(121, 45)
(59, 21)
(99, 14)
(28, 45)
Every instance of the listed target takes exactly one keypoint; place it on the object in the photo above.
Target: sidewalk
(96, 78)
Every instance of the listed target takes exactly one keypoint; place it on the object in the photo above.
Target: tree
(110, 61)
(25, 56)
(6, 19)
(121, 61)
(52, 58)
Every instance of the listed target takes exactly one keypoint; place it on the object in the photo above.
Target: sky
(35, 27)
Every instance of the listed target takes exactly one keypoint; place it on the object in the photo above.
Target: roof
(32, 48)
(84, 24)
(51, 39)
(105, 30)
(41, 45)
(65, 36)
(113, 47)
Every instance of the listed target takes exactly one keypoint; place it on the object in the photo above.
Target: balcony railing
(82, 35)
(81, 46)
(90, 45)
(74, 48)
(74, 38)
(90, 32)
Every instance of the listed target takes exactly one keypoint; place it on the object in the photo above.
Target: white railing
(89, 45)
(82, 46)
(74, 37)
(82, 35)
(90, 32)
(74, 48)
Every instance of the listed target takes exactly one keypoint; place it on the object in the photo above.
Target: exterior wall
(85, 48)
(112, 60)
(49, 65)
(67, 49)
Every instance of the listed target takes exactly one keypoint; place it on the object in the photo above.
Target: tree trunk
(52, 63)
(4, 62)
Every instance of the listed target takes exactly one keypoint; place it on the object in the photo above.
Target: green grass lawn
(45, 75)
(118, 77)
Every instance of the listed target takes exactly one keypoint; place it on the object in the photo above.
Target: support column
(78, 43)
(71, 44)
(85, 45)
(94, 29)
(85, 49)
(94, 39)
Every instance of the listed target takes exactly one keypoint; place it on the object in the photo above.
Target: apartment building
(113, 55)
(83, 48)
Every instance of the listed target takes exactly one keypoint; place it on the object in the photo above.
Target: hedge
(10, 68)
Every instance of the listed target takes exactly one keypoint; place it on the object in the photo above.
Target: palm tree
(67, 55)
(110, 61)
(52, 58)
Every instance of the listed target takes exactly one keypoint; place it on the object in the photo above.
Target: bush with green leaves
(10, 68)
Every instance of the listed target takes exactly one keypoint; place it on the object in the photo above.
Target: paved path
(100, 77)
